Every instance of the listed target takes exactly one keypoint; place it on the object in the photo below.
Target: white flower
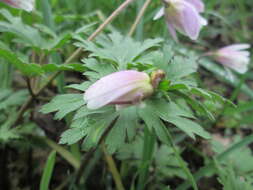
(183, 16)
(233, 56)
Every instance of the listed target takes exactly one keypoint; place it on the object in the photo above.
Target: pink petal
(236, 47)
(109, 96)
(235, 64)
(191, 21)
(115, 86)
(198, 5)
(233, 56)
(185, 18)
(172, 31)
(27, 5)
(115, 81)
(235, 61)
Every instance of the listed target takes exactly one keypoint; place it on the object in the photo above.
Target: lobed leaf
(63, 105)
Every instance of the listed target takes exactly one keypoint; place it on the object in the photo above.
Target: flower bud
(233, 56)
(27, 5)
(156, 77)
(120, 88)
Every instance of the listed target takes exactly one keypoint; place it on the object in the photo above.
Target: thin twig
(28, 83)
(29, 101)
(110, 18)
(139, 16)
(113, 169)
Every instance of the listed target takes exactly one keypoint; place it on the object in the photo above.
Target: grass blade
(147, 155)
(167, 138)
(48, 171)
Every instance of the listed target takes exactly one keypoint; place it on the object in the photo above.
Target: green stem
(147, 155)
(113, 169)
(138, 19)
(63, 152)
(110, 18)
(167, 138)
(89, 154)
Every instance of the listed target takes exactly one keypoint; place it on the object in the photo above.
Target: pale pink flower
(27, 5)
(120, 88)
(183, 16)
(233, 56)
(198, 4)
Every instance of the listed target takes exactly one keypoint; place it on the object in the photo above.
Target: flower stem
(139, 16)
(147, 155)
(110, 18)
(113, 169)
(169, 141)
(88, 155)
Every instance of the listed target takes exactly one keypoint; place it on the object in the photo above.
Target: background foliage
(189, 135)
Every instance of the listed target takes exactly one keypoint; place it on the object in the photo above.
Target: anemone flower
(183, 16)
(233, 56)
(27, 5)
(119, 88)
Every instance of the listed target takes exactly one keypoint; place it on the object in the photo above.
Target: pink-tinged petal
(242, 69)
(115, 81)
(184, 17)
(233, 56)
(109, 97)
(198, 5)
(135, 95)
(159, 14)
(191, 21)
(241, 66)
(27, 5)
(236, 47)
(244, 53)
(118, 88)
(172, 31)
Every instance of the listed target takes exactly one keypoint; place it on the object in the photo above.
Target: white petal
(27, 5)
(109, 97)
(113, 82)
(113, 86)
(236, 47)
(203, 21)
(198, 4)
(172, 31)
(159, 14)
